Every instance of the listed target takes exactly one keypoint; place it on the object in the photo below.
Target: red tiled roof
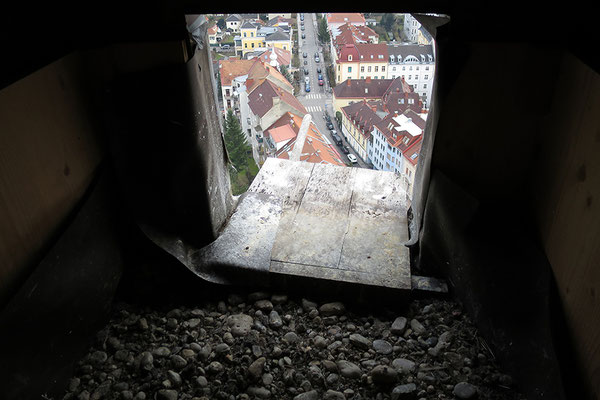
(315, 150)
(372, 52)
(281, 133)
(340, 18)
(362, 88)
(260, 99)
(362, 115)
(232, 68)
(412, 153)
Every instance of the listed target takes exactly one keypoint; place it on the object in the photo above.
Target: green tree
(388, 20)
(235, 141)
(323, 33)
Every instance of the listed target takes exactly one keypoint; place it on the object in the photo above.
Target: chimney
(368, 79)
(348, 82)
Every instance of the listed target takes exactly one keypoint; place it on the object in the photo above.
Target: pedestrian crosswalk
(313, 108)
(314, 96)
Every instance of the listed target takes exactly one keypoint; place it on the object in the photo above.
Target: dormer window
(349, 57)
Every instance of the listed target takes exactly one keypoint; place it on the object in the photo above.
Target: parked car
(320, 82)
(305, 62)
(329, 125)
(307, 88)
(303, 35)
(318, 70)
(302, 27)
(352, 158)
(345, 150)
(305, 71)
(307, 80)
(304, 55)
(336, 139)
(317, 59)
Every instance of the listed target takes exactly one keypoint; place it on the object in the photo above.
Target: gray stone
(178, 362)
(308, 305)
(403, 365)
(279, 298)
(174, 378)
(222, 348)
(161, 352)
(329, 309)
(275, 320)
(382, 346)
(320, 342)
(417, 327)
(240, 324)
(264, 305)
(443, 342)
(167, 394)
(360, 341)
(310, 395)
(398, 326)
(146, 361)
(348, 369)
(405, 392)
(333, 395)
(255, 369)
(464, 390)
(194, 322)
(252, 297)
(215, 367)
(201, 381)
(290, 337)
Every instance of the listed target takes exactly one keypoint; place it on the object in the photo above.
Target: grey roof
(416, 50)
(277, 35)
(233, 17)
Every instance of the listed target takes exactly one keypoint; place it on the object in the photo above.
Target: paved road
(319, 99)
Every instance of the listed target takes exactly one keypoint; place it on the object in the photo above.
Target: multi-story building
(361, 61)
(335, 20)
(358, 120)
(233, 22)
(395, 94)
(411, 28)
(253, 36)
(230, 72)
(392, 137)
(416, 64)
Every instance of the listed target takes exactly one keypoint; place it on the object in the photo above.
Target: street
(319, 99)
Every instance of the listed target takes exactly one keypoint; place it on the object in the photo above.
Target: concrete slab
(350, 226)
(326, 222)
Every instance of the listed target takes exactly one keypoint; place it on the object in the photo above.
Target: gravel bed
(269, 346)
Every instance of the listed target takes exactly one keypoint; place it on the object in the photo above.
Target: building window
(349, 69)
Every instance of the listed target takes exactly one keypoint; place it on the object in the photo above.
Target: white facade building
(416, 64)
(411, 28)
